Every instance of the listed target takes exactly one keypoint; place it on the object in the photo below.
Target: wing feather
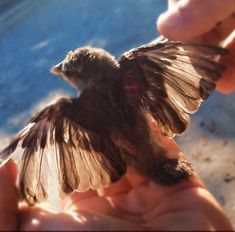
(54, 145)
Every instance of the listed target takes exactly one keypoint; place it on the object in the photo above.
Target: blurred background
(35, 35)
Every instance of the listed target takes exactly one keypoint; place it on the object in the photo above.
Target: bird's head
(85, 66)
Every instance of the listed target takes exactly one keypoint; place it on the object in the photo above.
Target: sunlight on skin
(79, 218)
(133, 203)
(135, 206)
(184, 22)
(35, 222)
(8, 212)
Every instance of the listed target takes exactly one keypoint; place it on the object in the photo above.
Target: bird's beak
(57, 69)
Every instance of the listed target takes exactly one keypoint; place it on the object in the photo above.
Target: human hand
(133, 203)
(208, 21)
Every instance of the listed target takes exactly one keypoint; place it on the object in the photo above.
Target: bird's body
(108, 128)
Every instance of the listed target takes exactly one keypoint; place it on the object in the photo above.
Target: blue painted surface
(34, 35)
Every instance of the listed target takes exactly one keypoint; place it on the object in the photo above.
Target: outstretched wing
(54, 149)
(170, 79)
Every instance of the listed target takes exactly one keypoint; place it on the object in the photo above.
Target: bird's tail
(154, 163)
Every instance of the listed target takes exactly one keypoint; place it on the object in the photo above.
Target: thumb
(8, 197)
(188, 19)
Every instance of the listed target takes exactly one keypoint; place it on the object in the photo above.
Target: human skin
(207, 21)
(133, 203)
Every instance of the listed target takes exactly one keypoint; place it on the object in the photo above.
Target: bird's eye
(67, 69)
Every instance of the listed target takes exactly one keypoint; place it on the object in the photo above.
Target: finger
(227, 83)
(87, 201)
(76, 197)
(99, 205)
(189, 18)
(120, 187)
(8, 197)
(38, 219)
(219, 33)
(147, 194)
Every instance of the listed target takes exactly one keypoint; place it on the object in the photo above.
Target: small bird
(93, 139)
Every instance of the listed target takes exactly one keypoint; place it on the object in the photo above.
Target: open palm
(133, 203)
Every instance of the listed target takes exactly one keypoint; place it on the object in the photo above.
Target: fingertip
(226, 85)
(8, 172)
(8, 197)
(11, 169)
(8, 178)
(171, 25)
(167, 25)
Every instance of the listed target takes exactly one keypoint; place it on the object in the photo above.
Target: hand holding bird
(93, 139)
(133, 203)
